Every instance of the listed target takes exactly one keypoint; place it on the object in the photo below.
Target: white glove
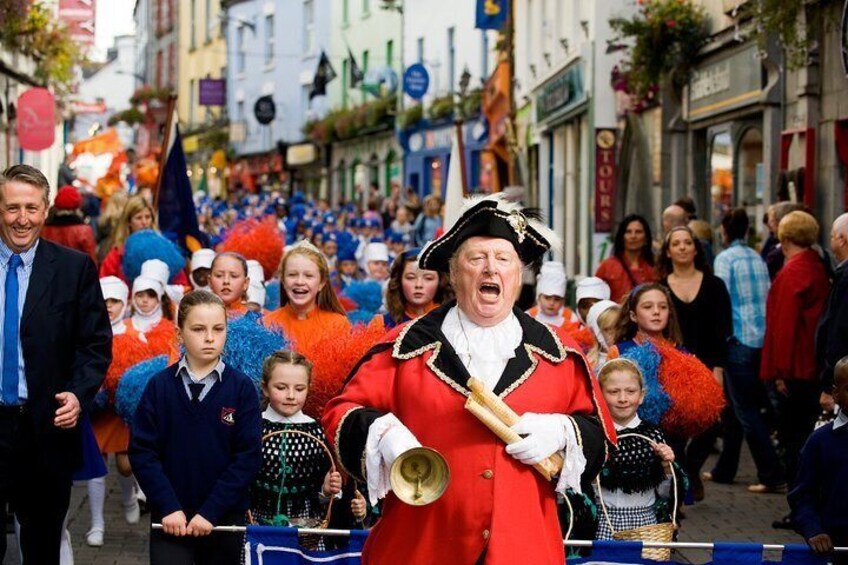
(387, 439)
(545, 435)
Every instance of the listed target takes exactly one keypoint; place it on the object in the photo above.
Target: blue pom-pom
(147, 244)
(132, 385)
(368, 296)
(272, 295)
(657, 401)
(249, 343)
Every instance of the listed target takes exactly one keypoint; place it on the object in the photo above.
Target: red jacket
(493, 502)
(71, 231)
(795, 304)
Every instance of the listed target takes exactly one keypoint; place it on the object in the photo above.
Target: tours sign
(604, 179)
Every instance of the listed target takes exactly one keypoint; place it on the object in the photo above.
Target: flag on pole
(323, 75)
(491, 14)
(177, 214)
(356, 74)
(454, 191)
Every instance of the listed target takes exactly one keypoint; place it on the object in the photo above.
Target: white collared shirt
(273, 416)
(188, 377)
(484, 350)
(841, 420)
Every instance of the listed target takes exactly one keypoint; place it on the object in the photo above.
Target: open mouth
(490, 289)
(300, 291)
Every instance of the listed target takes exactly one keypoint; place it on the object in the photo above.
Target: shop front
(427, 157)
(361, 162)
(733, 124)
(563, 124)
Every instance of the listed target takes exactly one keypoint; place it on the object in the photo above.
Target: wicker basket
(655, 532)
(309, 542)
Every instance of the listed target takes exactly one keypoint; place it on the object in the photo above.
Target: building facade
(369, 37)
(459, 59)
(273, 50)
(203, 52)
(567, 121)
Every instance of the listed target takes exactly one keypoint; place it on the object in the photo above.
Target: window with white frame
(451, 59)
(309, 27)
(269, 39)
(211, 17)
(193, 23)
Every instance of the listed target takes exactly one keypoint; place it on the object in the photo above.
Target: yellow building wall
(202, 54)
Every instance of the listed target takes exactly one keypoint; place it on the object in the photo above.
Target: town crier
(411, 389)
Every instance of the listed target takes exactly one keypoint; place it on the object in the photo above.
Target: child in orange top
(308, 306)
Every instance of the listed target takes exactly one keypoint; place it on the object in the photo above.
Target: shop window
(721, 177)
(750, 175)
(341, 179)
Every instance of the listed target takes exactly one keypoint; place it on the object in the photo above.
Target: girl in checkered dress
(637, 475)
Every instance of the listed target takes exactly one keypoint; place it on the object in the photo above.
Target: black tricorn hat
(490, 216)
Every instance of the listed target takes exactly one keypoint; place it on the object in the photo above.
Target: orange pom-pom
(162, 340)
(260, 240)
(696, 397)
(582, 334)
(333, 356)
(127, 350)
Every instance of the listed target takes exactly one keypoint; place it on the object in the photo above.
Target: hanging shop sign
(416, 81)
(301, 154)
(560, 94)
(212, 92)
(728, 82)
(605, 177)
(36, 123)
(265, 110)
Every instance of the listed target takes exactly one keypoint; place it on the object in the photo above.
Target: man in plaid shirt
(746, 276)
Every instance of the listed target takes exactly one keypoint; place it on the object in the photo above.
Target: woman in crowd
(702, 304)
(428, 222)
(795, 303)
(412, 292)
(138, 215)
(309, 309)
(632, 262)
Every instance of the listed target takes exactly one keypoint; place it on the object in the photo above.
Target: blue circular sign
(416, 81)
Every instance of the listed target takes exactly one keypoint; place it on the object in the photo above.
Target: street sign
(212, 92)
(416, 81)
(265, 110)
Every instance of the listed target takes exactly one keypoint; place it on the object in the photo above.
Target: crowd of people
(669, 346)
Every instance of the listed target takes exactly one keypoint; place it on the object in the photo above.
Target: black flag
(356, 74)
(323, 74)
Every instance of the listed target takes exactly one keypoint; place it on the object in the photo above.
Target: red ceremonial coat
(493, 503)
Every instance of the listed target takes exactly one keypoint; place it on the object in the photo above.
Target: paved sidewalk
(728, 513)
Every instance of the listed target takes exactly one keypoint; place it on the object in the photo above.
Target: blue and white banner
(630, 553)
(491, 14)
(269, 545)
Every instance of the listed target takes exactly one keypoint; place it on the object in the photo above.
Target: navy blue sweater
(200, 459)
(818, 498)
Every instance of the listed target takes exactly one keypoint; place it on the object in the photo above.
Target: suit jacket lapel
(43, 271)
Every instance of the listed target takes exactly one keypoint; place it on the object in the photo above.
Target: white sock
(127, 489)
(66, 551)
(96, 499)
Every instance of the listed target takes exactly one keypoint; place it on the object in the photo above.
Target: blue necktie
(10, 333)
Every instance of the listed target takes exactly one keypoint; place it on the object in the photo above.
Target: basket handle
(673, 487)
(316, 439)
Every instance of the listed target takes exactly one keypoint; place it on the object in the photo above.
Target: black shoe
(784, 523)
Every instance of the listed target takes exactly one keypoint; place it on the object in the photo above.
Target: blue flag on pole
(177, 215)
(491, 14)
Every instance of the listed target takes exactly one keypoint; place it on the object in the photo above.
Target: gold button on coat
(486, 534)
(488, 474)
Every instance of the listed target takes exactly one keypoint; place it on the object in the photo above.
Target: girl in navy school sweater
(195, 444)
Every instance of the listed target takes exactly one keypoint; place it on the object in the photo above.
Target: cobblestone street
(728, 513)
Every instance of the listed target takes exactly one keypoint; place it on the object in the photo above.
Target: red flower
(671, 23)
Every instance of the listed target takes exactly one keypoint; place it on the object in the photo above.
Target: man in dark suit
(55, 347)
(832, 333)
